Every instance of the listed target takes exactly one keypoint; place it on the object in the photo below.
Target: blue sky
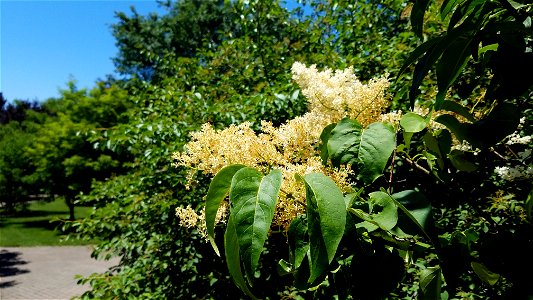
(43, 44)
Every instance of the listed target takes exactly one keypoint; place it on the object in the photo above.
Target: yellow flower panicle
(293, 146)
(190, 218)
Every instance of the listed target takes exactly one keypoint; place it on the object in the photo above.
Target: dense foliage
(354, 186)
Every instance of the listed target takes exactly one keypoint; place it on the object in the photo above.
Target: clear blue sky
(43, 44)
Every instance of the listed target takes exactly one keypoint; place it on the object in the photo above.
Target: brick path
(46, 272)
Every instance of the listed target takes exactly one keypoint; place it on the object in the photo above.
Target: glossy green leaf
(417, 209)
(233, 259)
(377, 144)
(253, 198)
(284, 267)
(427, 61)
(446, 7)
(367, 149)
(458, 109)
(387, 218)
(460, 161)
(343, 143)
(303, 273)
(417, 16)
(451, 64)
(501, 121)
(324, 136)
(422, 67)
(412, 122)
(297, 238)
(453, 125)
(326, 217)
(484, 273)
(430, 283)
(417, 54)
(491, 47)
(368, 223)
(218, 190)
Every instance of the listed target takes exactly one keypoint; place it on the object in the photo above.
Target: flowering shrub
(309, 177)
(292, 147)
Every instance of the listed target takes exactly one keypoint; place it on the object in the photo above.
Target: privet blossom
(522, 171)
(293, 146)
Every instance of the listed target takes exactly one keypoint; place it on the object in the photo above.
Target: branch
(416, 165)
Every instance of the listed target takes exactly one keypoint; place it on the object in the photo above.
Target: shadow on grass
(44, 224)
(10, 262)
(35, 213)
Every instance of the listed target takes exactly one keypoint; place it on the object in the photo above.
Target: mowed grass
(33, 227)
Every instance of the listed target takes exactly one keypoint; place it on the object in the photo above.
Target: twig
(415, 164)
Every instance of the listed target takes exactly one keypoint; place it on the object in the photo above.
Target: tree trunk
(70, 204)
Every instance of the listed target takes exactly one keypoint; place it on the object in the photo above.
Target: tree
(187, 27)
(65, 161)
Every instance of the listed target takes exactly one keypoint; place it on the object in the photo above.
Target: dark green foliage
(496, 35)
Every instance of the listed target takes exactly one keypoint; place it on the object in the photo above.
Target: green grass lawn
(33, 227)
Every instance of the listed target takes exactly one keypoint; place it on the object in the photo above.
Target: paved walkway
(46, 272)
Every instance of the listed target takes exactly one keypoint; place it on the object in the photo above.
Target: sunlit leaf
(412, 122)
(387, 218)
(218, 190)
(430, 283)
(484, 273)
(233, 260)
(253, 198)
(369, 148)
(326, 217)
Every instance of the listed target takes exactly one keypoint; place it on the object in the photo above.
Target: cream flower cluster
(293, 146)
(337, 94)
(514, 173)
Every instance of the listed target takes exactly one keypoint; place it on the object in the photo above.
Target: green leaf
(446, 7)
(491, 47)
(343, 143)
(460, 161)
(501, 121)
(417, 209)
(451, 64)
(412, 122)
(369, 224)
(422, 67)
(458, 109)
(377, 144)
(218, 190)
(417, 16)
(253, 198)
(387, 218)
(427, 61)
(326, 216)
(297, 238)
(284, 267)
(432, 145)
(430, 283)
(324, 136)
(453, 125)
(485, 274)
(369, 149)
(233, 260)
(416, 54)
(302, 274)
